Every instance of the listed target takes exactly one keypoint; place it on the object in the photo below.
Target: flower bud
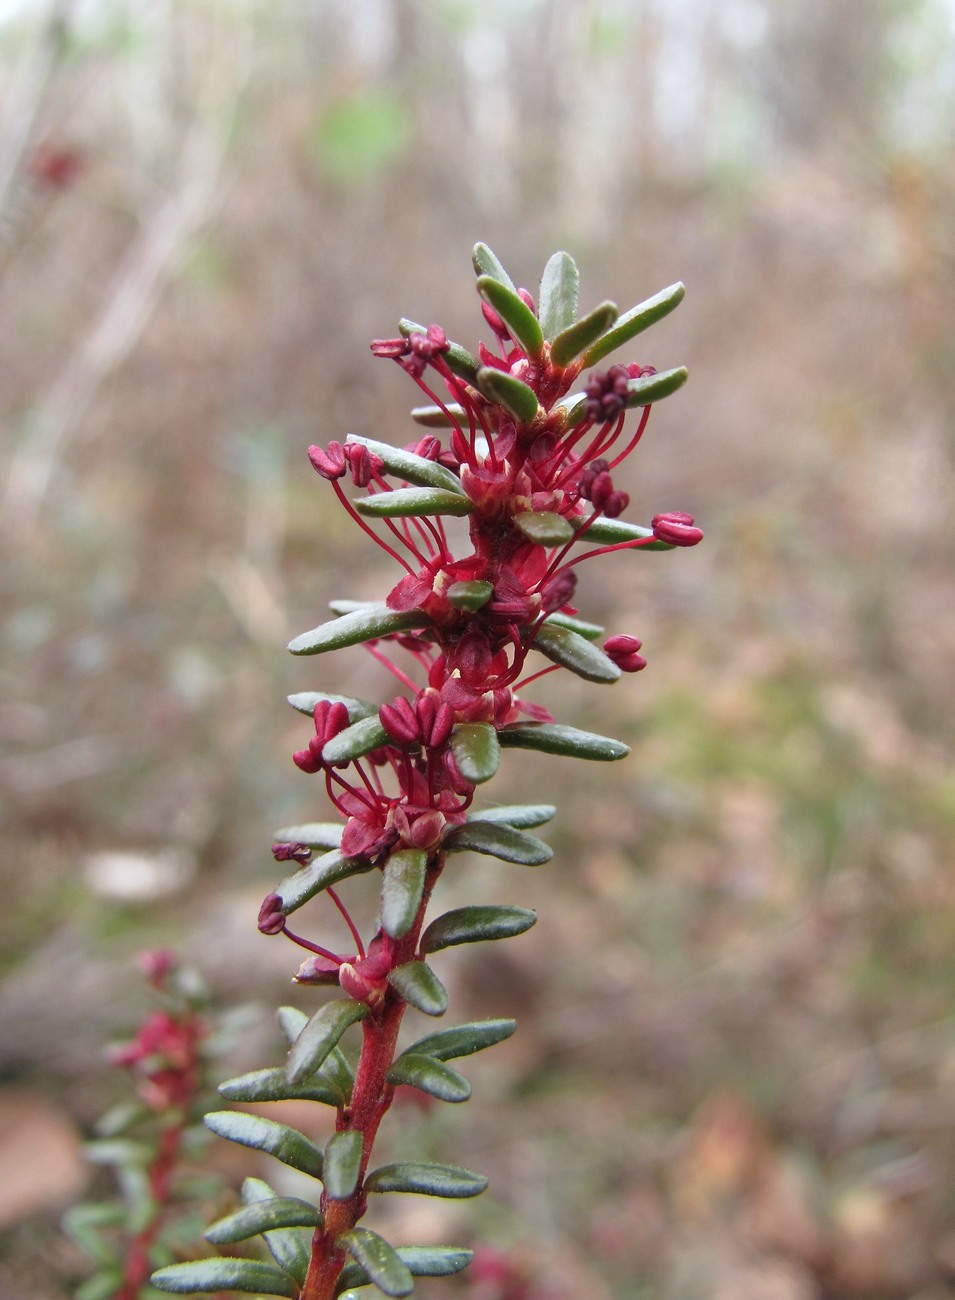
(623, 651)
(364, 464)
(494, 320)
(677, 528)
(400, 722)
(435, 719)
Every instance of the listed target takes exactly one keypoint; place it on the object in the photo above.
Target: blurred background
(735, 1068)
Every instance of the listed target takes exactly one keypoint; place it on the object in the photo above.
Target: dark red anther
(494, 320)
(364, 464)
(300, 853)
(400, 722)
(429, 448)
(527, 299)
(589, 476)
(392, 348)
(606, 394)
(558, 591)
(436, 720)
(271, 916)
(623, 650)
(329, 463)
(615, 504)
(677, 528)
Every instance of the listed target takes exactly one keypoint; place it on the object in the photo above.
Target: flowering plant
(529, 463)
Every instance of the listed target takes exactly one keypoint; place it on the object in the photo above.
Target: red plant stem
(138, 1265)
(371, 1098)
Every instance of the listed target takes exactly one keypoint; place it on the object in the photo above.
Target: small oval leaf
(431, 1075)
(359, 625)
(438, 417)
(521, 815)
(567, 648)
(426, 1179)
(559, 295)
(286, 1144)
(590, 631)
(291, 1249)
(291, 1022)
(343, 1153)
(524, 326)
(414, 501)
(486, 263)
(460, 1040)
(544, 527)
(472, 595)
(578, 337)
(421, 1261)
(355, 741)
(475, 925)
(411, 467)
(210, 1275)
(401, 889)
(608, 532)
(508, 391)
(653, 388)
(379, 1260)
(555, 738)
(320, 1035)
(476, 751)
(276, 1212)
(310, 879)
(272, 1085)
(634, 321)
(420, 987)
(500, 841)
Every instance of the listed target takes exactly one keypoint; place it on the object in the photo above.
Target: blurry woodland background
(734, 1073)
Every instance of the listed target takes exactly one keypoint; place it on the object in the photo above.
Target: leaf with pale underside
(317, 835)
(365, 624)
(426, 1179)
(285, 1144)
(486, 263)
(522, 815)
(314, 876)
(590, 631)
(305, 701)
(409, 466)
(438, 417)
(414, 502)
(635, 321)
(272, 1085)
(212, 1275)
(421, 1261)
(379, 1260)
(262, 1216)
(402, 886)
(577, 337)
(290, 1248)
(459, 1040)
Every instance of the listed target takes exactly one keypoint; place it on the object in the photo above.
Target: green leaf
(205, 1275)
(555, 738)
(500, 841)
(361, 625)
(339, 1072)
(564, 647)
(409, 466)
(264, 1215)
(101, 1286)
(459, 1040)
(343, 1153)
(517, 316)
(272, 1085)
(356, 741)
(426, 1179)
(317, 835)
(559, 295)
(431, 1075)
(508, 391)
(522, 815)
(291, 1022)
(544, 527)
(286, 1144)
(421, 1261)
(476, 751)
(485, 263)
(591, 631)
(289, 1250)
(438, 417)
(320, 1035)
(85, 1224)
(414, 501)
(379, 1260)
(635, 321)
(577, 338)
(653, 388)
(401, 889)
(307, 881)
(305, 701)
(118, 1151)
(475, 924)
(420, 987)
(469, 595)
(608, 532)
